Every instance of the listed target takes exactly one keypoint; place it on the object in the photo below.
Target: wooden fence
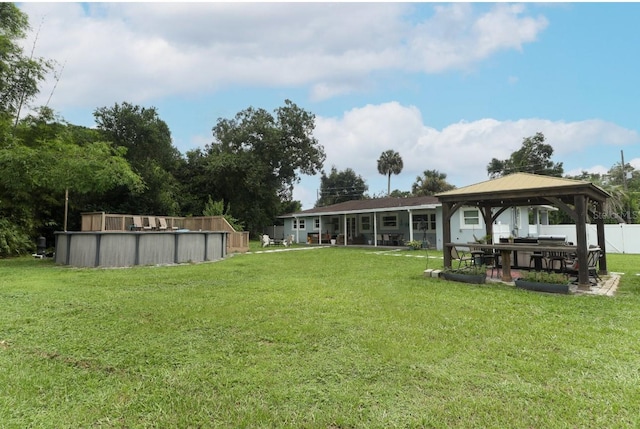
(237, 241)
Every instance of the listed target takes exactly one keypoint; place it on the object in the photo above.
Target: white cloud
(461, 150)
(144, 51)
(456, 37)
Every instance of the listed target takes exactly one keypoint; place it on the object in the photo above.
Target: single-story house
(393, 221)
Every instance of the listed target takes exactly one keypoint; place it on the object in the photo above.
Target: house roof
(371, 205)
(524, 186)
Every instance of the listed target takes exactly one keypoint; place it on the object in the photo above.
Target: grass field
(322, 338)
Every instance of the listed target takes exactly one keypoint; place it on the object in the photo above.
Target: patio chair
(152, 223)
(536, 260)
(137, 223)
(495, 263)
(461, 257)
(488, 257)
(552, 257)
(162, 222)
(593, 256)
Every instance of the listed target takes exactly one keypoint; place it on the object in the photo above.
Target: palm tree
(389, 162)
(430, 183)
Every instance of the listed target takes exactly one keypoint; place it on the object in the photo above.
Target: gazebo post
(581, 240)
(602, 263)
(488, 221)
(446, 233)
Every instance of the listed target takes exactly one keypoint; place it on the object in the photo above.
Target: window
(425, 221)
(298, 223)
(470, 218)
(316, 223)
(335, 225)
(390, 221)
(365, 223)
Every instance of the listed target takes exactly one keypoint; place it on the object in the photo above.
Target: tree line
(52, 170)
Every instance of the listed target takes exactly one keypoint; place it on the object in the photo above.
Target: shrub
(474, 270)
(414, 244)
(545, 277)
(13, 240)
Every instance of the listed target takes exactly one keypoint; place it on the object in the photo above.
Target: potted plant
(542, 281)
(476, 274)
(485, 239)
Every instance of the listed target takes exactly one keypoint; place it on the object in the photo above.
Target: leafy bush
(216, 208)
(414, 244)
(13, 240)
(544, 277)
(474, 270)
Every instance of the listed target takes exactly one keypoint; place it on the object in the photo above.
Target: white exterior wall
(503, 228)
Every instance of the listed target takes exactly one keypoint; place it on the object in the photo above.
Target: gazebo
(574, 197)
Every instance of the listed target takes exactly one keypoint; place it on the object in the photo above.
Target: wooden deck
(237, 241)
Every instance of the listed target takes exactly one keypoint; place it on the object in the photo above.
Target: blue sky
(448, 85)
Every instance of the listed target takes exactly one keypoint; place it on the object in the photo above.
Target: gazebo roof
(524, 188)
(520, 189)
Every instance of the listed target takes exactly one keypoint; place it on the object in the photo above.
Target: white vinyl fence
(619, 238)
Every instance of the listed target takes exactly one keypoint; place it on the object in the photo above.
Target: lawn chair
(288, 241)
(152, 223)
(267, 241)
(137, 223)
(461, 257)
(163, 224)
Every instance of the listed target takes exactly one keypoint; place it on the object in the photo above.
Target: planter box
(542, 287)
(465, 278)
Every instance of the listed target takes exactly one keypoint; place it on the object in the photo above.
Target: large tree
(430, 183)
(340, 186)
(390, 162)
(533, 157)
(255, 160)
(623, 205)
(20, 74)
(150, 152)
(49, 163)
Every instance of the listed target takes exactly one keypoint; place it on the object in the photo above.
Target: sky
(449, 86)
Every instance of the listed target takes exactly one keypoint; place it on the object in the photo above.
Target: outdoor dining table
(506, 249)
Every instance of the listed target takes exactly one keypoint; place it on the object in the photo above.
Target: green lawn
(323, 338)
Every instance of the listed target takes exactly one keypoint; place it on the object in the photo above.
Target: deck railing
(237, 241)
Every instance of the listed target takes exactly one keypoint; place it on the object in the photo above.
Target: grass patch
(323, 338)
